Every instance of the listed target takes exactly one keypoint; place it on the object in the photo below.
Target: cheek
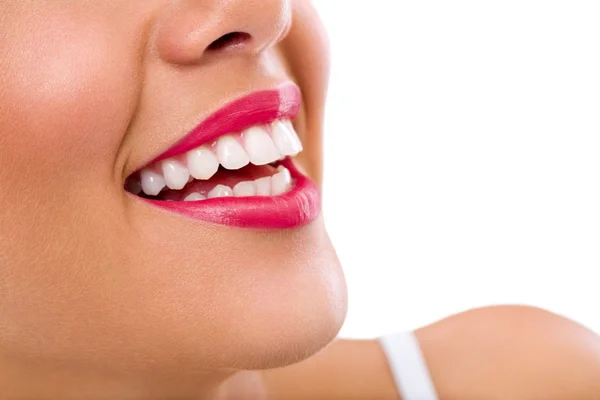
(68, 85)
(67, 91)
(307, 53)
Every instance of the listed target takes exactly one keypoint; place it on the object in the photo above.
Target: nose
(193, 30)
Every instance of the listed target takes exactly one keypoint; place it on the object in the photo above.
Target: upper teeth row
(258, 145)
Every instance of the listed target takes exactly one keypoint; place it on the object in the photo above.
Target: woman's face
(91, 91)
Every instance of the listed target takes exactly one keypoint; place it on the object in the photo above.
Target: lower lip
(293, 209)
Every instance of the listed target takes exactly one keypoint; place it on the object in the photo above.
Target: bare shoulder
(500, 352)
(512, 352)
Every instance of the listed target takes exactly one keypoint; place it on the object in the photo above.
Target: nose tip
(191, 33)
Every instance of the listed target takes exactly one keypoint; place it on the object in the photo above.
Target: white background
(463, 157)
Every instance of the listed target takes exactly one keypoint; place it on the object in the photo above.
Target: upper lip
(256, 108)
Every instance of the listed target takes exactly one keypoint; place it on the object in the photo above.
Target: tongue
(222, 177)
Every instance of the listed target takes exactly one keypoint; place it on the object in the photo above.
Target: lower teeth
(275, 185)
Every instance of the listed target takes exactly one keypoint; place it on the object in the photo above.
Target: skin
(498, 353)
(104, 297)
(97, 287)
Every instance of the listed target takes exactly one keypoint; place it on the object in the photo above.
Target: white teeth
(297, 140)
(244, 189)
(220, 191)
(194, 197)
(152, 182)
(260, 146)
(230, 153)
(175, 173)
(202, 163)
(281, 182)
(263, 186)
(286, 139)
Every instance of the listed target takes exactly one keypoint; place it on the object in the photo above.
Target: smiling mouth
(236, 167)
(241, 164)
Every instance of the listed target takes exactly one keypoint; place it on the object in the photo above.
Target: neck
(346, 369)
(39, 380)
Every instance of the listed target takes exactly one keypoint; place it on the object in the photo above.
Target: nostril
(231, 39)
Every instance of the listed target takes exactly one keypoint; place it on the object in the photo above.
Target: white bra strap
(408, 366)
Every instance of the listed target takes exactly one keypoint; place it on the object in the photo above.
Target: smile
(236, 167)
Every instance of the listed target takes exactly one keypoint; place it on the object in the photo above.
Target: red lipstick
(256, 108)
(297, 207)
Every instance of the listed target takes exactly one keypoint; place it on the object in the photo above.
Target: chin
(294, 316)
(254, 299)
